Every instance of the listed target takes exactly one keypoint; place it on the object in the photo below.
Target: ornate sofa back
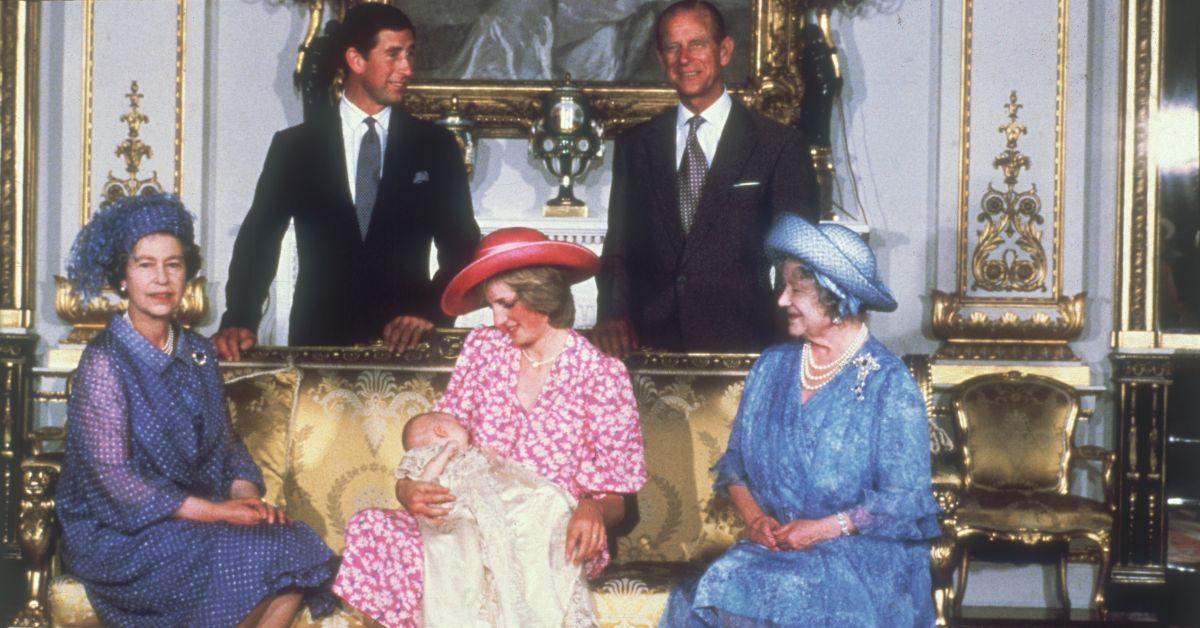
(326, 433)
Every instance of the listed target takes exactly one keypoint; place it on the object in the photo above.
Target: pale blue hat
(835, 252)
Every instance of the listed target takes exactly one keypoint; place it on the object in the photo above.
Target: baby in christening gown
(499, 558)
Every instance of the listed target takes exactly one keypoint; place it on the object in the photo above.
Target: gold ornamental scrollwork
(1009, 256)
(87, 319)
(971, 333)
(951, 321)
(133, 150)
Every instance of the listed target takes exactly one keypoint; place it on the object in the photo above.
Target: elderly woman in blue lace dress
(828, 461)
(159, 502)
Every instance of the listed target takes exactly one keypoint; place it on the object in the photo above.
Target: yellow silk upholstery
(328, 439)
(1044, 512)
(685, 426)
(69, 604)
(345, 442)
(633, 595)
(1016, 437)
(1016, 433)
(260, 408)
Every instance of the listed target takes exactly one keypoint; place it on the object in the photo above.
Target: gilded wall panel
(131, 99)
(19, 32)
(1012, 291)
(127, 42)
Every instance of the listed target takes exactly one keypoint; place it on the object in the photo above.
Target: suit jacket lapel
(733, 151)
(395, 157)
(334, 154)
(664, 178)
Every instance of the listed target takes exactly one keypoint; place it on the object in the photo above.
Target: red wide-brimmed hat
(509, 248)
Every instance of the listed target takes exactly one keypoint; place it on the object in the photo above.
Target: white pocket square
(421, 177)
(746, 184)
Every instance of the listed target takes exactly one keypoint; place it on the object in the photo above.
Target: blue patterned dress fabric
(860, 445)
(144, 431)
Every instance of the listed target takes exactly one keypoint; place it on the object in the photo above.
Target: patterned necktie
(692, 171)
(366, 177)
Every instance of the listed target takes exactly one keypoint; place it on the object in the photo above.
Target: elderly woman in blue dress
(159, 502)
(828, 461)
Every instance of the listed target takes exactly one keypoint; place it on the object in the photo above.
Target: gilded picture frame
(507, 108)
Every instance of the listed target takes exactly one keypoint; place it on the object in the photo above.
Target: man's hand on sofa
(232, 341)
(405, 332)
(615, 336)
(421, 499)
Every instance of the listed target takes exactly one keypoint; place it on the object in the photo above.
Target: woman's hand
(244, 489)
(244, 511)
(804, 533)
(765, 531)
(248, 511)
(586, 535)
(240, 488)
(422, 499)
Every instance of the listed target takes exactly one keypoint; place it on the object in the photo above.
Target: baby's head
(433, 428)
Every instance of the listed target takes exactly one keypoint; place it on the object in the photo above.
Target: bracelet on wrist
(843, 523)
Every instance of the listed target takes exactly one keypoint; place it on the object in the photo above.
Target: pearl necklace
(813, 375)
(168, 346)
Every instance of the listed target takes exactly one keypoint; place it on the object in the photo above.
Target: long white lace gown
(499, 558)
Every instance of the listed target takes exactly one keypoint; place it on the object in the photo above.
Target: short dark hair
(715, 19)
(115, 272)
(360, 29)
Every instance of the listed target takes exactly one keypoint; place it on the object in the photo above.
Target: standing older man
(694, 192)
(369, 187)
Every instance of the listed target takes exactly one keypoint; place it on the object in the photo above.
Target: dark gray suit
(708, 291)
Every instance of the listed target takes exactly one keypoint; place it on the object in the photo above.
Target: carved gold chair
(1016, 436)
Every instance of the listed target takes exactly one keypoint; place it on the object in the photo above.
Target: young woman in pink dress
(528, 387)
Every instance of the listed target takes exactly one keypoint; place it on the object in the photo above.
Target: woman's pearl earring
(122, 289)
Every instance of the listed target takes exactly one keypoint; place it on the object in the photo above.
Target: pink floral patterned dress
(583, 433)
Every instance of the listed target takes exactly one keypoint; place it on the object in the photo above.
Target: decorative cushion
(633, 595)
(69, 605)
(345, 442)
(685, 426)
(1011, 511)
(260, 408)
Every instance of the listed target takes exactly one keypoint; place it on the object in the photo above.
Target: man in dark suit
(369, 187)
(694, 192)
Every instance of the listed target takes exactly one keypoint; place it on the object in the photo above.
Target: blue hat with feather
(114, 230)
(835, 252)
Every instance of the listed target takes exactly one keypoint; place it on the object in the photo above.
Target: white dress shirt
(708, 134)
(354, 127)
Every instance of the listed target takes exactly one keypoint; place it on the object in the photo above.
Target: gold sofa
(325, 425)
